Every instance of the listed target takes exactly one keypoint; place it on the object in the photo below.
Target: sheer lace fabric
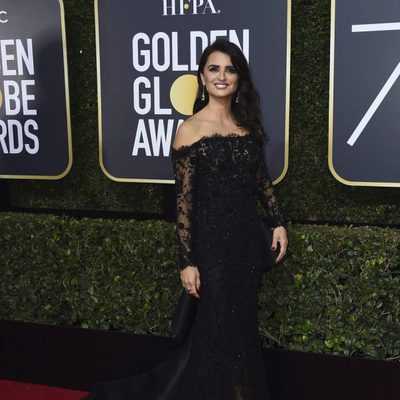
(216, 181)
(184, 162)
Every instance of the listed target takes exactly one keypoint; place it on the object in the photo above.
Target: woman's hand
(190, 277)
(279, 236)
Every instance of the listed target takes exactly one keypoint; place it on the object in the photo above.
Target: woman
(219, 167)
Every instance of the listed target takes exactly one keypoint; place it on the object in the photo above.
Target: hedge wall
(338, 291)
(309, 191)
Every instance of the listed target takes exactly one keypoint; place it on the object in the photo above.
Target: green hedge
(337, 292)
(308, 192)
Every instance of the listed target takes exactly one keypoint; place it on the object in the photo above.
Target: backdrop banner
(147, 61)
(35, 137)
(364, 138)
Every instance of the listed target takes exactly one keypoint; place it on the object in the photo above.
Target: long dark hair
(246, 112)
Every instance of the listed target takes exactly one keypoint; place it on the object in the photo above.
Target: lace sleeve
(184, 161)
(265, 192)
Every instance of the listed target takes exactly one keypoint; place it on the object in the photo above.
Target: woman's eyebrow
(215, 65)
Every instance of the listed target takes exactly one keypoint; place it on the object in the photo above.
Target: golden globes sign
(35, 138)
(365, 93)
(147, 62)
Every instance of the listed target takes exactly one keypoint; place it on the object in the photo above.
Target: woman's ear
(202, 78)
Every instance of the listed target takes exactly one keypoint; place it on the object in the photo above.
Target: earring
(237, 98)
(203, 96)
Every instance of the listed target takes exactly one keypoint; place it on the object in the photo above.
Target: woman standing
(219, 168)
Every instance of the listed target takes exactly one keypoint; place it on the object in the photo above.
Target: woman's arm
(184, 163)
(265, 192)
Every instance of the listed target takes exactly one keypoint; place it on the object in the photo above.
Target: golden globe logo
(194, 7)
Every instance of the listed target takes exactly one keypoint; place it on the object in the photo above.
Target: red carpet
(11, 390)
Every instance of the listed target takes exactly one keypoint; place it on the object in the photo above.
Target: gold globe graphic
(183, 93)
(1, 98)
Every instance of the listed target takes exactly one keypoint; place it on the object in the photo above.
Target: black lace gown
(216, 181)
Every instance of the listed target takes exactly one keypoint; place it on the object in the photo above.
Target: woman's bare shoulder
(187, 133)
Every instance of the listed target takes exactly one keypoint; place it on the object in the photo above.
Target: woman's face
(219, 75)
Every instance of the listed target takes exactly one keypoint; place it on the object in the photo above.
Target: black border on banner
(331, 103)
(68, 111)
(287, 103)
